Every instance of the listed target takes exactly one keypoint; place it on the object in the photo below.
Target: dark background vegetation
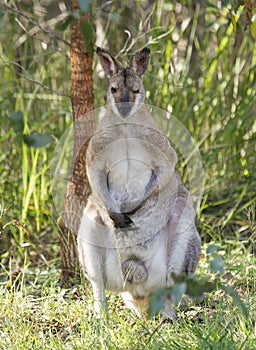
(202, 71)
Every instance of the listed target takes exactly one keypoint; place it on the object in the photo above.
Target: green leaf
(233, 21)
(183, 285)
(211, 7)
(178, 290)
(63, 25)
(88, 32)
(157, 301)
(217, 265)
(17, 121)
(84, 5)
(253, 28)
(212, 249)
(37, 140)
(236, 298)
(196, 288)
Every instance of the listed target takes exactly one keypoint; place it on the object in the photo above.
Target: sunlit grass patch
(37, 312)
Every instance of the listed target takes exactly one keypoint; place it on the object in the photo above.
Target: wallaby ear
(139, 62)
(108, 63)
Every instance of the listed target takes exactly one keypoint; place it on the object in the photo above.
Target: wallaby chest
(128, 163)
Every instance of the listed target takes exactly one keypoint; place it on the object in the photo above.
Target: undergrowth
(36, 313)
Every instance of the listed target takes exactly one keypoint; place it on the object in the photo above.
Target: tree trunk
(77, 190)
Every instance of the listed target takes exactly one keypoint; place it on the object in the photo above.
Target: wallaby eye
(136, 91)
(113, 90)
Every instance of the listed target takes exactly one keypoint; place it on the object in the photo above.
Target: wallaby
(138, 227)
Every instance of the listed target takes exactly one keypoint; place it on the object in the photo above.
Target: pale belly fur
(154, 259)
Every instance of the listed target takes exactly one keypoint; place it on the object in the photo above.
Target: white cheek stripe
(113, 104)
(134, 108)
(135, 105)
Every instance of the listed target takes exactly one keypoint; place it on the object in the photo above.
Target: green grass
(203, 72)
(36, 313)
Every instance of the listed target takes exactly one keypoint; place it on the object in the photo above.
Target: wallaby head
(125, 90)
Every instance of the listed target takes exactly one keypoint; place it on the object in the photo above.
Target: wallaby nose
(124, 109)
(124, 96)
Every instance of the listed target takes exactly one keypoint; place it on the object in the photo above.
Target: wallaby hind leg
(192, 255)
(138, 305)
(90, 255)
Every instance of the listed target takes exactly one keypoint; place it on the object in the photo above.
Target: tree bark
(77, 189)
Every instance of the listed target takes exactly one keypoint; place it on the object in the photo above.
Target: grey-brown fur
(139, 224)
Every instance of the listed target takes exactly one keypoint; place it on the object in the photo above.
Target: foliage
(196, 287)
(203, 72)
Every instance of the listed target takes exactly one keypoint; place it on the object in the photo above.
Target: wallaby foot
(168, 312)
